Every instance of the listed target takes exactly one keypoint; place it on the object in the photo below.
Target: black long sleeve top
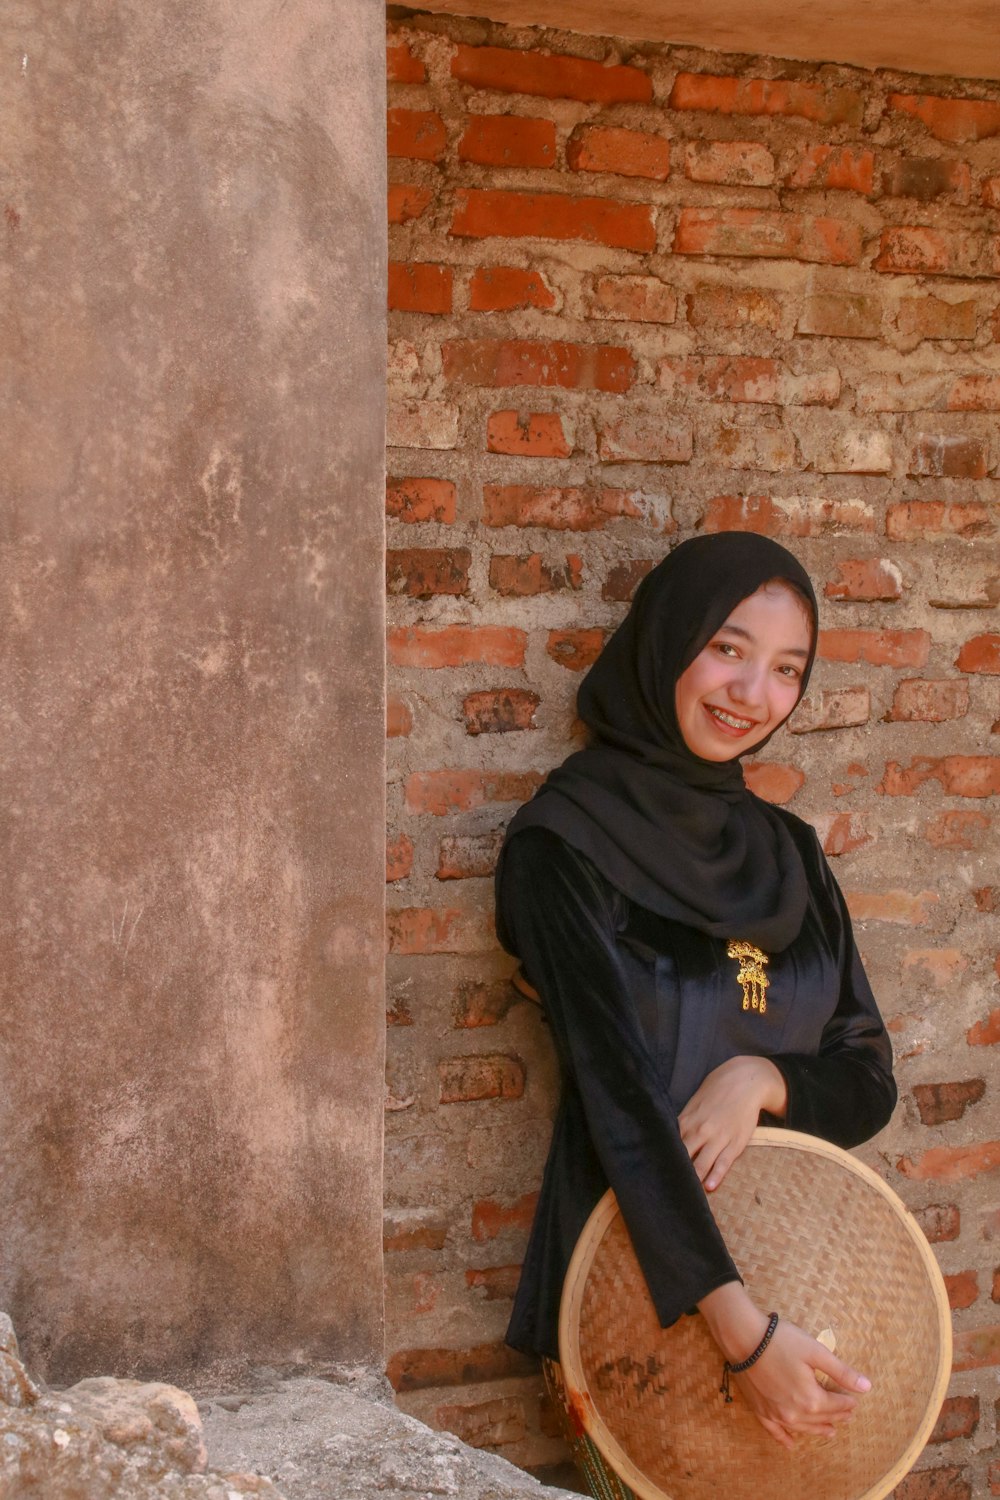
(642, 1009)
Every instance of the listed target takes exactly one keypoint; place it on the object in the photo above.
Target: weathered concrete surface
(319, 1441)
(192, 730)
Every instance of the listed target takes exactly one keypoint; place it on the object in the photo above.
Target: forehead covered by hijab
(627, 698)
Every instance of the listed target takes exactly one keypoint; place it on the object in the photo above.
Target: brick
(418, 1369)
(768, 234)
(952, 1164)
(919, 520)
(405, 1229)
(632, 299)
(398, 858)
(407, 200)
(628, 153)
(991, 192)
(423, 572)
(733, 307)
(981, 655)
(962, 1289)
(767, 96)
(959, 1418)
(788, 516)
(841, 317)
(977, 1348)
(457, 646)
(398, 719)
(551, 76)
(765, 443)
(933, 318)
(417, 134)
(939, 967)
(914, 250)
(841, 833)
(839, 446)
(497, 1283)
(485, 1424)
(419, 288)
(866, 579)
(422, 424)
(926, 701)
(731, 163)
(926, 178)
(443, 792)
(935, 1484)
(722, 378)
(506, 288)
(924, 391)
(773, 782)
(957, 775)
(939, 1102)
(832, 708)
(499, 710)
(401, 66)
(467, 1080)
(480, 1004)
(491, 1218)
(880, 648)
(957, 830)
(645, 435)
(575, 649)
(508, 141)
(419, 930)
(903, 908)
(416, 500)
(834, 169)
(954, 120)
(624, 578)
(468, 856)
(487, 213)
(398, 1012)
(523, 576)
(509, 362)
(746, 379)
(538, 435)
(557, 509)
(941, 455)
(940, 1222)
(985, 1033)
(987, 898)
(974, 393)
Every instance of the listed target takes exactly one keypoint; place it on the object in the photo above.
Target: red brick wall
(638, 292)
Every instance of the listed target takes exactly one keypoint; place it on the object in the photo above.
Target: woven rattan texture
(823, 1247)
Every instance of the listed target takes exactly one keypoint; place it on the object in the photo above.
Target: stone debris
(302, 1438)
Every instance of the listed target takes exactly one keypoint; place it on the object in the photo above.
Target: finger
(847, 1378)
(777, 1431)
(720, 1167)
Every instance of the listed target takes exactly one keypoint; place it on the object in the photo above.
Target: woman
(694, 957)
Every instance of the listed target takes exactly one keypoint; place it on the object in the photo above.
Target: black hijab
(680, 835)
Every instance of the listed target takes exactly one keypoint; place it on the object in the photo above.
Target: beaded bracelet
(751, 1359)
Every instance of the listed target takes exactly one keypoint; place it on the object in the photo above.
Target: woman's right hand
(781, 1389)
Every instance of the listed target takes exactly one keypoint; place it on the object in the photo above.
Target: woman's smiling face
(747, 679)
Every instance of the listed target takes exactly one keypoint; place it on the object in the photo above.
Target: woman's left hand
(719, 1118)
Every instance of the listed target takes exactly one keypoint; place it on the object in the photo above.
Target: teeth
(733, 723)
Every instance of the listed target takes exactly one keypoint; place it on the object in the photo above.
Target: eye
(726, 648)
(787, 670)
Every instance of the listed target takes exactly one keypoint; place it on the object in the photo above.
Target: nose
(747, 686)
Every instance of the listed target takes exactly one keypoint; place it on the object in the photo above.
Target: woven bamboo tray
(822, 1240)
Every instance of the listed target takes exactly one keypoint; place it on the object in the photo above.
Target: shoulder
(540, 866)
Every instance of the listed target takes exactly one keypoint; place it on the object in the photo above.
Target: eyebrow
(747, 635)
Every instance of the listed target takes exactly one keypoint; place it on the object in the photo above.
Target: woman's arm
(560, 916)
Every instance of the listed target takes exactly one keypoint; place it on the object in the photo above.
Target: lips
(730, 721)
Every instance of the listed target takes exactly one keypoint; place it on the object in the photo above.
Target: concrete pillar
(191, 631)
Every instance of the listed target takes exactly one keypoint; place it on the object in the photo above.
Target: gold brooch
(751, 974)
